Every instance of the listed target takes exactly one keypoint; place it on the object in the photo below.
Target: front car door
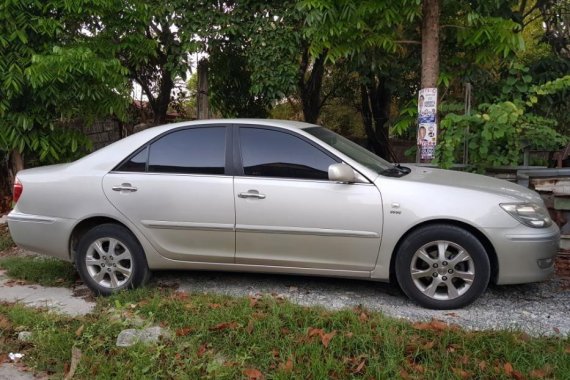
(288, 213)
(177, 191)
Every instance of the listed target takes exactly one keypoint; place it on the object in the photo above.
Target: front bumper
(525, 254)
(42, 234)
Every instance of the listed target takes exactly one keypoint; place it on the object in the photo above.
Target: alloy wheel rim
(109, 263)
(442, 270)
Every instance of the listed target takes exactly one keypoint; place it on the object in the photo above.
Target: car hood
(476, 182)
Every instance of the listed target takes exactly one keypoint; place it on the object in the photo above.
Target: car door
(177, 192)
(289, 214)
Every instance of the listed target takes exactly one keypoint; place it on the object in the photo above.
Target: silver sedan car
(280, 197)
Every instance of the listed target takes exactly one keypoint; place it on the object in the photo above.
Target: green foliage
(231, 87)
(49, 77)
(346, 28)
(497, 133)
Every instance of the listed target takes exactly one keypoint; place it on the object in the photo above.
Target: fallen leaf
(253, 374)
(250, 325)
(482, 365)
(215, 305)
(436, 324)
(183, 331)
(556, 330)
(429, 345)
(363, 317)
(541, 373)
(404, 374)
(360, 367)
(452, 347)
(452, 314)
(567, 349)
(285, 331)
(287, 366)
(517, 375)
(461, 373)
(179, 295)
(464, 359)
(202, 350)
(79, 331)
(508, 367)
(349, 334)
(326, 338)
(4, 323)
(253, 301)
(224, 326)
(314, 331)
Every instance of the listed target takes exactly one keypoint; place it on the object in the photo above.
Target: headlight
(529, 214)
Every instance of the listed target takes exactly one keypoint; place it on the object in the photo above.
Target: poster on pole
(427, 125)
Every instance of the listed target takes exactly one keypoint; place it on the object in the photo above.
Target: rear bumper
(42, 234)
(525, 254)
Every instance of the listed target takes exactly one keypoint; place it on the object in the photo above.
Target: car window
(137, 163)
(269, 153)
(189, 151)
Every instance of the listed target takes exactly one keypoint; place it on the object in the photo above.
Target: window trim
(227, 151)
(238, 157)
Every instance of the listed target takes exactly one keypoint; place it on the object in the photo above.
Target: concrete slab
(57, 299)
(11, 372)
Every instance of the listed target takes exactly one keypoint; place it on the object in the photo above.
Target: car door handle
(125, 187)
(252, 194)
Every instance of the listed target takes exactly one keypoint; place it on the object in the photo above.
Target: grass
(231, 338)
(40, 270)
(221, 337)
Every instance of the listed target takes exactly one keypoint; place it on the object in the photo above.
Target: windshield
(351, 149)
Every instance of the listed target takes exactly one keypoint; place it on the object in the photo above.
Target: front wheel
(109, 259)
(442, 267)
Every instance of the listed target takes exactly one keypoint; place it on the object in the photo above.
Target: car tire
(110, 259)
(442, 267)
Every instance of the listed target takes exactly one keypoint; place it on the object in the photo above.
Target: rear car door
(177, 191)
(289, 214)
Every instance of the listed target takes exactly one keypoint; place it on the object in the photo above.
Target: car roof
(268, 122)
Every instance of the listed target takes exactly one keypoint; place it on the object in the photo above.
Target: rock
(24, 336)
(131, 337)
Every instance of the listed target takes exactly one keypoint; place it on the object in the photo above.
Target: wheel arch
(84, 226)
(489, 248)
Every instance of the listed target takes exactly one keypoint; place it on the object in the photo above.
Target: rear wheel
(442, 267)
(109, 259)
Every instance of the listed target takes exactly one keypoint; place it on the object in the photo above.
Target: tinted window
(137, 163)
(268, 153)
(190, 151)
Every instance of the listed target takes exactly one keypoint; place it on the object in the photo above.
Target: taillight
(18, 189)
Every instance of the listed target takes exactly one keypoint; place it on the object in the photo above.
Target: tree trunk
(17, 162)
(430, 43)
(162, 101)
(203, 111)
(310, 87)
(375, 103)
(430, 48)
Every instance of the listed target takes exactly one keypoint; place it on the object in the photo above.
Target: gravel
(537, 309)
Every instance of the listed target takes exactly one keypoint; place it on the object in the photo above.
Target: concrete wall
(102, 132)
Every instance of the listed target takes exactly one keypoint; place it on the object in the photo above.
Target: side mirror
(341, 173)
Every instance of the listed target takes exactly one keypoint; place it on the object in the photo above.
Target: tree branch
(409, 42)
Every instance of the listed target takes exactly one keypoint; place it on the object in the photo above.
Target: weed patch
(214, 336)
